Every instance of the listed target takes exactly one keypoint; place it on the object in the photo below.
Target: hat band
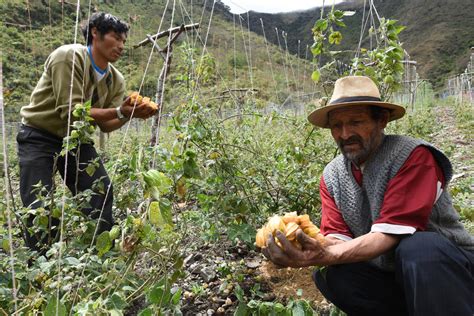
(355, 99)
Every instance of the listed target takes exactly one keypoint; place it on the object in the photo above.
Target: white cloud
(274, 6)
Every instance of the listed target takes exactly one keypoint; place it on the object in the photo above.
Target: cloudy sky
(274, 6)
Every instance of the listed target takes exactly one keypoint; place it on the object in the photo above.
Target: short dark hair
(377, 112)
(104, 23)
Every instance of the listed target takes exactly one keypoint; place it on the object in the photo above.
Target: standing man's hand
(312, 252)
(142, 110)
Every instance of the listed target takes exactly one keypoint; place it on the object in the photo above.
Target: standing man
(394, 242)
(45, 122)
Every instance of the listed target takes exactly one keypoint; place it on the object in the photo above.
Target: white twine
(7, 191)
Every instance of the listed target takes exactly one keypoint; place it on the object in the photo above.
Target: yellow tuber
(137, 99)
(153, 105)
(290, 231)
(260, 239)
(146, 101)
(288, 224)
(291, 218)
(276, 223)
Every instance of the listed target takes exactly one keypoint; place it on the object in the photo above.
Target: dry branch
(188, 27)
(240, 90)
(15, 24)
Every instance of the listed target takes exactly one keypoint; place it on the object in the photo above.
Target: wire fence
(414, 92)
(461, 86)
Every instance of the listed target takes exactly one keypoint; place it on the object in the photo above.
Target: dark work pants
(37, 151)
(432, 277)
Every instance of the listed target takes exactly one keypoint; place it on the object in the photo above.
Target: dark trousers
(432, 277)
(37, 151)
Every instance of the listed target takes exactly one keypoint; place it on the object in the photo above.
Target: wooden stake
(188, 27)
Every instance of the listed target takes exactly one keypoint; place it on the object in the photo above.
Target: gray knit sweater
(360, 206)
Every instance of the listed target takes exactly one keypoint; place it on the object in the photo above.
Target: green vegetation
(383, 63)
(54, 24)
(233, 172)
(438, 35)
(222, 165)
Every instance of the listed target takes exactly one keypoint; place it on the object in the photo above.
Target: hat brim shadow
(319, 117)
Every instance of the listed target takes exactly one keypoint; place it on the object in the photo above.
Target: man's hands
(108, 121)
(141, 110)
(311, 253)
(362, 248)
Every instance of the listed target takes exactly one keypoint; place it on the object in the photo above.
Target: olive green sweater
(49, 104)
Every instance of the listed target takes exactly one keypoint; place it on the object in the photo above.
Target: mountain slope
(26, 46)
(438, 34)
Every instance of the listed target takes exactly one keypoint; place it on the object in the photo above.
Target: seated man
(394, 242)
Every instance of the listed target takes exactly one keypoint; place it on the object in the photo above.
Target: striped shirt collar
(100, 71)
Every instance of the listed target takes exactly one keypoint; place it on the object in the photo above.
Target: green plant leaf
(6, 245)
(72, 261)
(146, 312)
(103, 243)
(191, 169)
(157, 183)
(160, 213)
(242, 310)
(43, 221)
(160, 294)
(399, 28)
(317, 49)
(118, 301)
(298, 309)
(239, 293)
(264, 309)
(114, 232)
(340, 23)
(166, 211)
(338, 14)
(55, 308)
(321, 24)
(315, 76)
(154, 213)
(90, 169)
(176, 297)
(335, 38)
(279, 308)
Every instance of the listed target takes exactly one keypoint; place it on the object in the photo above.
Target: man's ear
(94, 32)
(384, 119)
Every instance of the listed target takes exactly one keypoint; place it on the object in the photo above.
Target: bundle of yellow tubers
(288, 224)
(136, 98)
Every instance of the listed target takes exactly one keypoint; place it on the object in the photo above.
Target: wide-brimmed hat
(350, 91)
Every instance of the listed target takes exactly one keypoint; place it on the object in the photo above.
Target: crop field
(232, 148)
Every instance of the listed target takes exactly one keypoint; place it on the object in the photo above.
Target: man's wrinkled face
(355, 132)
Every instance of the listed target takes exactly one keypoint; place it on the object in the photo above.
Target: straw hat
(350, 91)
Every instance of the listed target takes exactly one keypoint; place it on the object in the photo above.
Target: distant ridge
(439, 33)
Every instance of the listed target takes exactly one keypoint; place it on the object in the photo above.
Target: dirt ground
(286, 282)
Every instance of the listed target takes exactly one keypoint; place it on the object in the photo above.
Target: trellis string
(269, 56)
(115, 166)
(61, 228)
(7, 192)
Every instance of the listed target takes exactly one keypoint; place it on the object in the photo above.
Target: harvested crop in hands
(288, 224)
(136, 98)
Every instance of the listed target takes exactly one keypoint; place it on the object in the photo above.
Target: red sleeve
(331, 218)
(411, 194)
